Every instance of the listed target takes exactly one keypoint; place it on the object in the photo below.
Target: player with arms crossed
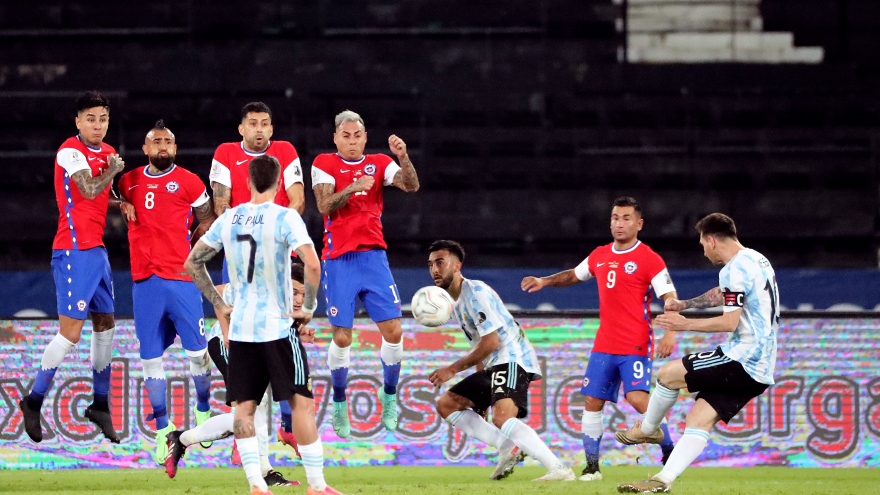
(221, 426)
(625, 270)
(348, 186)
(259, 237)
(724, 379)
(506, 365)
(163, 197)
(84, 169)
(229, 176)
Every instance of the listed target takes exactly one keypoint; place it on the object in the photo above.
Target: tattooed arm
(329, 201)
(90, 187)
(561, 279)
(311, 281)
(406, 178)
(195, 267)
(206, 216)
(711, 299)
(222, 197)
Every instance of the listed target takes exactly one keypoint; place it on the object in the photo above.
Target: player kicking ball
(221, 426)
(726, 378)
(506, 365)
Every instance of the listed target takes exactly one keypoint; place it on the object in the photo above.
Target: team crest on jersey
(172, 187)
(333, 311)
(370, 169)
(586, 381)
(81, 305)
(630, 267)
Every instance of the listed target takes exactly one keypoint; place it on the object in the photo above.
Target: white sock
(261, 425)
(102, 349)
(688, 448)
(591, 424)
(661, 401)
(391, 354)
(215, 428)
(56, 350)
(526, 438)
(199, 362)
(313, 461)
(250, 461)
(475, 426)
(338, 357)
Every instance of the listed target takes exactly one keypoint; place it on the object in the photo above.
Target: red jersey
(230, 168)
(357, 226)
(625, 279)
(81, 221)
(159, 238)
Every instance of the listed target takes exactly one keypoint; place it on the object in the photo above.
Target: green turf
(444, 481)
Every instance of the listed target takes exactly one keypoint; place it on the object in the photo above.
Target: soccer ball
(432, 306)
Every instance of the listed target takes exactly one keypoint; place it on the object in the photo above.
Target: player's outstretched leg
(200, 370)
(157, 391)
(176, 450)
(592, 429)
(102, 349)
(526, 438)
(53, 356)
(648, 431)
(338, 360)
(306, 431)
(392, 355)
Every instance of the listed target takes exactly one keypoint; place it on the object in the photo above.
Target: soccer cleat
(646, 486)
(558, 474)
(236, 457)
(161, 452)
(32, 421)
(274, 478)
(507, 460)
(634, 435)
(176, 450)
(591, 471)
(104, 422)
(341, 422)
(201, 417)
(255, 490)
(389, 410)
(327, 491)
(288, 439)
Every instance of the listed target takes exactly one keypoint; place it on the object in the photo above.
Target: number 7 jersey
(258, 240)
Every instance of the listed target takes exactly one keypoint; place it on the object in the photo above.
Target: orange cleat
(289, 440)
(327, 491)
(256, 491)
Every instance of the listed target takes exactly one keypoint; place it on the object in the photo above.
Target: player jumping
(625, 270)
(84, 169)
(258, 237)
(727, 378)
(163, 196)
(506, 365)
(348, 188)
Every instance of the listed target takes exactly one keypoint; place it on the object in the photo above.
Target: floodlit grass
(444, 481)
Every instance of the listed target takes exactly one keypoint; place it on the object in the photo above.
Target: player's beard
(162, 162)
(445, 282)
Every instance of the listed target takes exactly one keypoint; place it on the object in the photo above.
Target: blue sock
(157, 389)
(392, 376)
(286, 418)
(666, 445)
(101, 387)
(41, 386)
(591, 448)
(339, 377)
(203, 392)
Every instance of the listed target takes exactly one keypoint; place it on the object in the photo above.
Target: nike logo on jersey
(93, 158)
(636, 382)
(240, 162)
(132, 187)
(344, 171)
(600, 264)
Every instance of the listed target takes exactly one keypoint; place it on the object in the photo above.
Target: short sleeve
(292, 173)
(732, 281)
(212, 237)
(486, 318)
(662, 283)
(390, 171)
(197, 193)
(295, 233)
(219, 170)
(582, 271)
(72, 160)
(123, 185)
(320, 175)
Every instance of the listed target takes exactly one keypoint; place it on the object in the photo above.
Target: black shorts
(219, 355)
(504, 381)
(253, 366)
(720, 381)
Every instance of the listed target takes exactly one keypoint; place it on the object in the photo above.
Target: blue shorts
(83, 282)
(163, 309)
(363, 275)
(606, 371)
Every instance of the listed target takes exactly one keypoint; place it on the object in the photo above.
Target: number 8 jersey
(159, 238)
(258, 240)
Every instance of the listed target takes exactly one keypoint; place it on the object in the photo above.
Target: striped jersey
(749, 282)
(258, 240)
(480, 312)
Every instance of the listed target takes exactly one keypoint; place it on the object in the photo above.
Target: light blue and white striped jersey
(749, 282)
(258, 240)
(480, 312)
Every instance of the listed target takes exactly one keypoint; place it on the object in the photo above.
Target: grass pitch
(443, 481)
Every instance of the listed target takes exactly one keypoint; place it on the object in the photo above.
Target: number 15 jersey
(258, 240)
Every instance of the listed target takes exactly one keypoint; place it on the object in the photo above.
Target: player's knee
(447, 405)
(391, 331)
(342, 336)
(667, 376)
(153, 368)
(593, 404)
(101, 322)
